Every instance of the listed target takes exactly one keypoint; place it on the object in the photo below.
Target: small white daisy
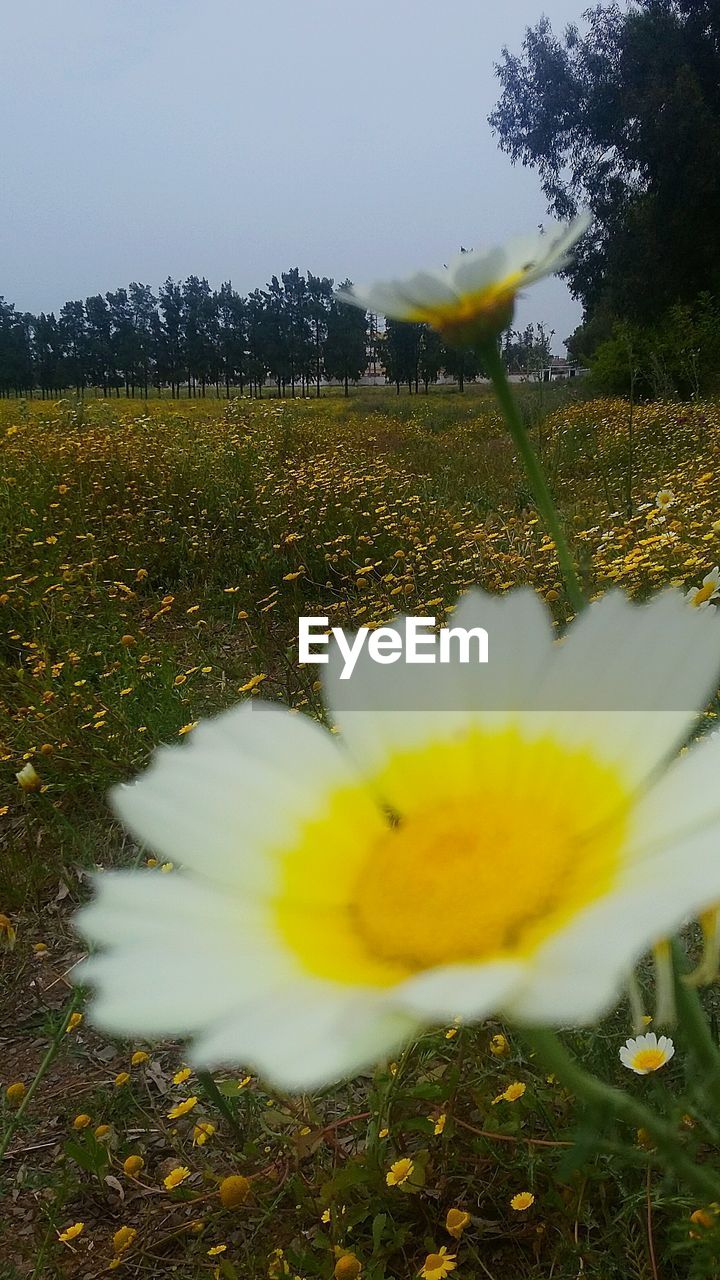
(664, 499)
(473, 297)
(700, 597)
(646, 1053)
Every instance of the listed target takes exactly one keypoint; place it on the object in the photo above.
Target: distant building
(558, 370)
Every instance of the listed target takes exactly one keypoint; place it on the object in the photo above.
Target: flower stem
(534, 471)
(556, 1058)
(695, 1024)
(50, 1056)
(220, 1101)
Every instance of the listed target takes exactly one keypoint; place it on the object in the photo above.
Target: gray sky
(237, 138)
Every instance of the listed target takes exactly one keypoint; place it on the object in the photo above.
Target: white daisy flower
(513, 854)
(700, 597)
(646, 1053)
(473, 297)
(664, 499)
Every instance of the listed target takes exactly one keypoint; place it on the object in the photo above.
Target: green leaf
(378, 1228)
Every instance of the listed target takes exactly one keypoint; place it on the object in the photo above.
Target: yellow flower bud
(347, 1267)
(234, 1191)
(123, 1238)
(456, 1222)
(29, 779)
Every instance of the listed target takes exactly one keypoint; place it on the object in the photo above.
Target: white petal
(181, 952)
(306, 1035)
(227, 800)
(381, 709)
(386, 298)
(639, 674)
(675, 848)
(473, 272)
(428, 289)
(468, 991)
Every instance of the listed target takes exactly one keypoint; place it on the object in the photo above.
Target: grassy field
(155, 558)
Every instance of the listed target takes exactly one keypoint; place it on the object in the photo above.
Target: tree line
(187, 337)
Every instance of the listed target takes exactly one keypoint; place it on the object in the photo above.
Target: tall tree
(625, 118)
(345, 356)
(100, 366)
(123, 339)
(74, 338)
(431, 356)
(17, 371)
(296, 304)
(320, 297)
(258, 343)
(198, 328)
(402, 353)
(169, 336)
(47, 340)
(143, 308)
(230, 310)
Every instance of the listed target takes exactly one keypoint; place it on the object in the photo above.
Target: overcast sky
(237, 138)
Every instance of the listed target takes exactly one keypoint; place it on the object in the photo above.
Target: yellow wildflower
(499, 1046)
(438, 1265)
(175, 1177)
(71, 1233)
(182, 1108)
(202, 1131)
(399, 1172)
(512, 1093)
(522, 1201)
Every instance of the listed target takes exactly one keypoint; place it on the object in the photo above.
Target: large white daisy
(472, 297)
(513, 847)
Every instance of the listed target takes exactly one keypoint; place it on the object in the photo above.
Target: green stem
(621, 1105)
(213, 1093)
(695, 1025)
(50, 1056)
(493, 363)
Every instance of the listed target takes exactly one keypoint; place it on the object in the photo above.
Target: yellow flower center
(494, 842)
(434, 1264)
(489, 308)
(704, 593)
(648, 1059)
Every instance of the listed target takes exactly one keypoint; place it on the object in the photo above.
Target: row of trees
(188, 337)
(414, 354)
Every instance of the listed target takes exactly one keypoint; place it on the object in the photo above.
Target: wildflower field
(155, 558)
